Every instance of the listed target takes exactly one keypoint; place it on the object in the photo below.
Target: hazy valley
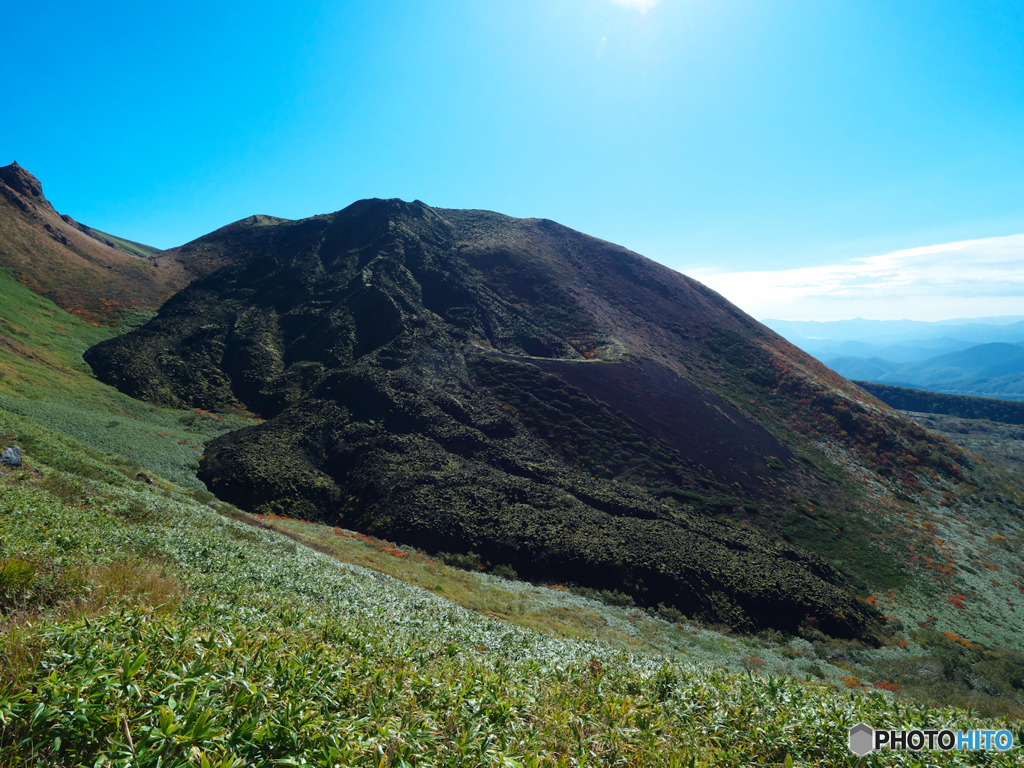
(981, 358)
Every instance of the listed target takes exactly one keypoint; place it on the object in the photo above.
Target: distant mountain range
(820, 336)
(981, 357)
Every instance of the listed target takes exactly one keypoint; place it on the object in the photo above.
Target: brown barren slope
(81, 269)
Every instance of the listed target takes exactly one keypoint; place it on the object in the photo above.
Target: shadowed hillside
(470, 382)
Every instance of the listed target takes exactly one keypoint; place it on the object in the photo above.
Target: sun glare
(639, 5)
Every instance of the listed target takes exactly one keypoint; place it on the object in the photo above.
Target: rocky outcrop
(24, 184)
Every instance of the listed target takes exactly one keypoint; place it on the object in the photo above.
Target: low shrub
(16, 579)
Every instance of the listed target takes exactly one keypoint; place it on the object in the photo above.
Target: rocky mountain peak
(24, 183)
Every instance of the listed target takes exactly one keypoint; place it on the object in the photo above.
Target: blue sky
(718, 137)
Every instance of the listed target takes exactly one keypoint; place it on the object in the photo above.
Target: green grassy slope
(42, 375)
(128, 246)
(133, 614)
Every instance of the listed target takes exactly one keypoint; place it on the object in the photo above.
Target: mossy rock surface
(467, 382)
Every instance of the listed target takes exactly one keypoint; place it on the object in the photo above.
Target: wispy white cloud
(971, 278)
(640, 5)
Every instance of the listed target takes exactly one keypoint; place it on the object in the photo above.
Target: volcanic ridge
(468, 382)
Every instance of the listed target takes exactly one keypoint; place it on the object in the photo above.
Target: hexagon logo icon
(862, 739)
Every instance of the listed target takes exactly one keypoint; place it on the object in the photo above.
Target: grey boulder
(11, 457)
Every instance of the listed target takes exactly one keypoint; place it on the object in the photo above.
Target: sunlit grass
(182, 635)
(927, 667)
